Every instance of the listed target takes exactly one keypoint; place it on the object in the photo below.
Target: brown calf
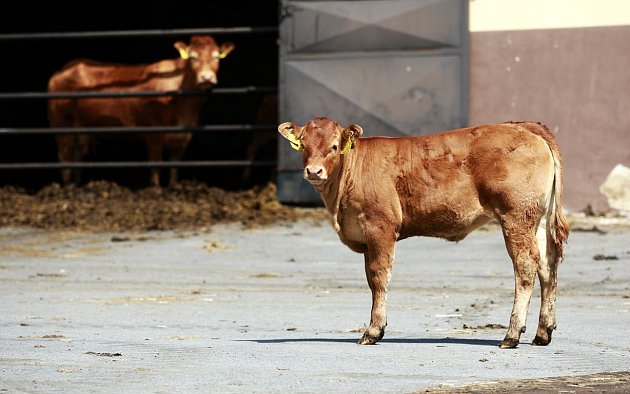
(379, 190)
(196, 68)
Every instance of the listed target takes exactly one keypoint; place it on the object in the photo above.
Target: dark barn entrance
(28, 62)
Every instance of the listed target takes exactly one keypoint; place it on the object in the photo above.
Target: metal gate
(396, 67)
(9, 100)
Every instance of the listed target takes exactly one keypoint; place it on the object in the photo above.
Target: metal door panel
(396, 67)
(318, 26)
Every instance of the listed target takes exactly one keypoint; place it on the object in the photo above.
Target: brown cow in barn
(196, 68)
(380, 190)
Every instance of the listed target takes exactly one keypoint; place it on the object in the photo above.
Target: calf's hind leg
(548, 277)
(522, 247)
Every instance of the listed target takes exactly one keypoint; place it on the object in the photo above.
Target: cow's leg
(66, 152)
(548, 277)
(521, 244)
(378, 269)
(155, 149)
(250, 155)
(176, 146)
(258, 142)
(83, 149)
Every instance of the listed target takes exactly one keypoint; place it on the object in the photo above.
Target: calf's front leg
(378, 269)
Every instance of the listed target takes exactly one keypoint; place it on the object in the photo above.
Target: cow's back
(84, 74)
(87, 75)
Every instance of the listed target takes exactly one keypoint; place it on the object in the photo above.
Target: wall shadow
(419, 341)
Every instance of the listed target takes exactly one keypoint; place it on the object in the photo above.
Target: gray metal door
(395, 67)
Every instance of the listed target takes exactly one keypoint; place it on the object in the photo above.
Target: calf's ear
(182, 48)
(354, 131)
(350, 134)
(291, 132)
(225, 49)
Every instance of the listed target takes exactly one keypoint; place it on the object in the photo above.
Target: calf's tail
(557, 225)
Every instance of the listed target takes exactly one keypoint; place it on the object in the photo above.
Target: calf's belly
(446, 222)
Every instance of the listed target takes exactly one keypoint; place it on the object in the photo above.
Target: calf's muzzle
(315, 173)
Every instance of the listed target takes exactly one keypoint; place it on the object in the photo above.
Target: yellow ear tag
(183, 53)
(223, 55)
(295, 143)
(346, 148)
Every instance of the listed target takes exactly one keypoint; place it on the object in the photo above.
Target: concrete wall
(561, 71)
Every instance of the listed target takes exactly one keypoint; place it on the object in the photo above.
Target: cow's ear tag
(225, 49)
(183, 53)
(295, 143)
(347, 147)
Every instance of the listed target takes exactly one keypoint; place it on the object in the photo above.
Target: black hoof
(541, 341)
(371, 336)
(368, 340)
(508, 343)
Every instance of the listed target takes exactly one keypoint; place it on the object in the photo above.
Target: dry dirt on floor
(106, 206)
(608, 382)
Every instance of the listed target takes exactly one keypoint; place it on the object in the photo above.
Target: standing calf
(379, 190)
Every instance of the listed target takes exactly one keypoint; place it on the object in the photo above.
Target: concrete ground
(279, 309)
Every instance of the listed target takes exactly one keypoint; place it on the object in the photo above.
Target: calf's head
(203, 55)
(322, 143)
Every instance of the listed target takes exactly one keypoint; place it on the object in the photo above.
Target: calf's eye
(334, 148)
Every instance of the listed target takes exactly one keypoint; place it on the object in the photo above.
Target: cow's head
(203, 55)
(322, 143)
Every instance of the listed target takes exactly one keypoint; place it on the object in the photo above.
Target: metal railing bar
(138, 33)
(141, 93)
(136, 164)
(135, 130)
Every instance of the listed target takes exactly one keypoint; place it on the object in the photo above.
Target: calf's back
(445, 185)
